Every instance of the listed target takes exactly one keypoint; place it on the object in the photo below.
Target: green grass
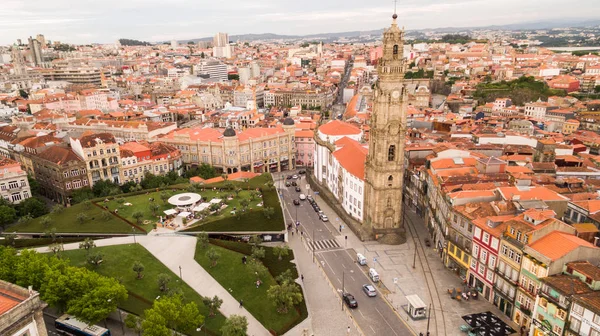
(118, 262)
(241, 281)
(66, 222)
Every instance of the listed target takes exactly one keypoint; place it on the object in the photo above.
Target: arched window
(390, 180)
(389, 202)
(392, 153)
(395, 49)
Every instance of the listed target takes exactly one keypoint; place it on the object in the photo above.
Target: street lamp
(343, 291)
(199, 329)
(180, 273)
(133, 230)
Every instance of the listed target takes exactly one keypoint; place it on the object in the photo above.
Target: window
(489, 276)
(390, 180)
(544, 303)
(392, 153)
(486, 237)
(557, 330)
(484, 256)
(481, 269)
(68, 185)
(475, 251)
(13, 184)
(575, 324)
(561, 314)
(492, 261)
(16, 197)
(395, 49)
(473, 263)
(594, 332)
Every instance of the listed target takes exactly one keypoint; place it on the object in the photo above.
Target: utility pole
(180, 273)
(428, 318)
(343, 291)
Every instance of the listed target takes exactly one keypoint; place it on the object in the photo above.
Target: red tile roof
(352, 157)
(557, 244)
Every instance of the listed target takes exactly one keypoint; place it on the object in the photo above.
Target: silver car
(369, 290)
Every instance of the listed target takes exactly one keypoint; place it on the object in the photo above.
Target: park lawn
(141, 202)
(66, 222)
(238, 278)
(118, 262)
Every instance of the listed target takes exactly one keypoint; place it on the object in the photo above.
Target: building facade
(156, 158)
(21, 311)
(101, 155)
(14, 185)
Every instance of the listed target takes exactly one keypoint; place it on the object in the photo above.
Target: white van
(361, 259)
(302, 197)
(373, 275)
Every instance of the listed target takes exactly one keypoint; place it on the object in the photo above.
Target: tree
(56, 248)
(169, 312)
(163, 282)
(105, 188)
(268, 212)
(258, 252)
(597, 89)
(7, 215)
(285, 276)
(228, 185)
(235, 325)
(281, 251)
(213, 256)
(57, 209)
(213, 304)
(95, 259)
(203, 239)
(245, 203)
(34, 185)
(81, 217)
(285, 295)
(154, 208)
(138, 268)
(87, 245)
(270, 185)
(45, 221)
(82, 194)
(134, 323)
(138, 215)
(255, 240)
(33, 207)
(25, 219)
(258, 268)
(164, 196)
(23, 94)
(87, 204)
(106, 216)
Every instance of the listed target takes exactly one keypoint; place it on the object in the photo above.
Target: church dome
(288, 121)
(229, 132)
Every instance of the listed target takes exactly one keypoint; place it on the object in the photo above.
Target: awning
(216, 200)
(184, 214)
(201, 207)
(487, 324)
(170, 212)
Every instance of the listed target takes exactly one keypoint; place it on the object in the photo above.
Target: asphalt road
(373, 315)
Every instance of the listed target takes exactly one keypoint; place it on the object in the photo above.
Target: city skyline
(92, 22)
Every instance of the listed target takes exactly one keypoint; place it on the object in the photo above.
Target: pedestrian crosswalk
(323, 244)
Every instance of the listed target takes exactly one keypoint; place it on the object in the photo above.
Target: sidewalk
(429, 279)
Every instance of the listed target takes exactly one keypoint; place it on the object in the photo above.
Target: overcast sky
(105, 21)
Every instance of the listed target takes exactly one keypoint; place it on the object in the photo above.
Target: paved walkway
(176, 251)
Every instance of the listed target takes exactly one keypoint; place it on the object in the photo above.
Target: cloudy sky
(105, 21)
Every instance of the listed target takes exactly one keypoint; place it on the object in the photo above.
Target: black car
(317, 209)
(294, 183)
(298, 189)
(350, 300)
(296, 202)
(302, 172)
(289, 177)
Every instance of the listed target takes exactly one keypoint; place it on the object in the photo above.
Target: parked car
(296, 202)
(289, 177)
(287, 184)
(298, 189)
(317, 209)
(294, 183)
(324, 218)
(309, 198)
(302, 172)
(302, 197)
(350, 300)
(369, 290)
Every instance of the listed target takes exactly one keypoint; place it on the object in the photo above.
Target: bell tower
(384, 168)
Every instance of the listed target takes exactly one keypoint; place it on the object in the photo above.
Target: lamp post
(343, 291)
(133, 230)
(180, 276)
(199, 329)
(428, 318)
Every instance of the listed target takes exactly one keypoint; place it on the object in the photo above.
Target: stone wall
(27, 312)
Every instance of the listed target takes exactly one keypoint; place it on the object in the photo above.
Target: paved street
(327, 244)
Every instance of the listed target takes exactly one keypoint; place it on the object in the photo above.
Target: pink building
(305, 147)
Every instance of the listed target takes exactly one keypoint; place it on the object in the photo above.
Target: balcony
(504, 292)
(556, 301)
(505, 277)
(529, 292)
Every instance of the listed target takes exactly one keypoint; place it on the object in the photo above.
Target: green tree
(138, 215)
(257, 268)
(597, 89)
(228, 185)
(33, 207)
(105, 188)
(134, 323)
(281, 251)
(202, 239)
(270, 185)
(268, 212)
(245, 203)
(7, 215)
(285, 295)
(95, 259)
(106, 216)
(99, 301)
(25, 219)
(285, 276)
(138, 268)
(164, 196)
(213, 256)
(56, 248)
(45, 221)
(34, 185)
(258, 252)
(81, 217)
(57, 209)
(23, 94)
(235, 325)
(82, 194)
(170, 313)
(163, 281)
(87, 205)
(153, 208)
(213, 304)
(88, 244)
(255, 240)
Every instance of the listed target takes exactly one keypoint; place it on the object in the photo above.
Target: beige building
(254, 149)
(14, 185)
(384, 172)
(21, 311)
(139, 158)
(101, 155)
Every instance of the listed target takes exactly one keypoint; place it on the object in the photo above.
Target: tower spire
(395, 16)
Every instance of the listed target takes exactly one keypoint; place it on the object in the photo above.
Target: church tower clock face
(384, 169)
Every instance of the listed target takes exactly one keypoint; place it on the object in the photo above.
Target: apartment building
(124, 130)
(59, 171)
(254, 150)
(139, 158)
(21, 311)
(75, 75)
(100, 152)
(14, 186)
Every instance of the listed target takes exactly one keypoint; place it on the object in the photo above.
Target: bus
(69, 325)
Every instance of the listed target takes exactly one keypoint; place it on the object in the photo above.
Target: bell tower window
(390, 180)
(392, 153)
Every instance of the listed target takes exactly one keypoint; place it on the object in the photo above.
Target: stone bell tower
(384, 168)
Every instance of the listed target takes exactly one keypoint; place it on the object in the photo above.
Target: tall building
(36, 51)
(174, 44)
(41, 39)
(216, 70)
(384, 171)
(17, 60)
(221, 40)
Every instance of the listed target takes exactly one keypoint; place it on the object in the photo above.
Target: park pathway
(177, 253)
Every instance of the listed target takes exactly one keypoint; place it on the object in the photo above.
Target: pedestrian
(302, 277)
(241, 303)
(340, 228)
(296, 229)
(257, 283)
(348, 330)
(292, 233)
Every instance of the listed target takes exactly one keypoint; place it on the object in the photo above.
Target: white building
(216, 70)
(584, 317)
(347, 177)
(14, 185)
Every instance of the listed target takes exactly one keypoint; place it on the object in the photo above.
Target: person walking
(302, 277)
(241, 303)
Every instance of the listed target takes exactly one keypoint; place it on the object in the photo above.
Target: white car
(324, 218)
(295, 177)
(302, 197)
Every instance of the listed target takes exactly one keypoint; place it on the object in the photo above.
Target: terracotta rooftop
(585, 267)
(59, 155)
(530, 193)
(566, 285)
(589, 300)
(8, 300)
(352, 157)
(337, 128)
(591, 206)
(88, 141)
(557, 244)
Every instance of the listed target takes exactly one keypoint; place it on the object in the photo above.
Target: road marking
(351, 277)
(370, 326)
(325, 244)
(386, 322)
(363, 315)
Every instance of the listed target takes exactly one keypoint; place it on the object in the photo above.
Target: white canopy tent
(201, 207)
(216, 200)
(170, 212)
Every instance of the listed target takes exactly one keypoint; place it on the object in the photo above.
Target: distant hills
(574, 23)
